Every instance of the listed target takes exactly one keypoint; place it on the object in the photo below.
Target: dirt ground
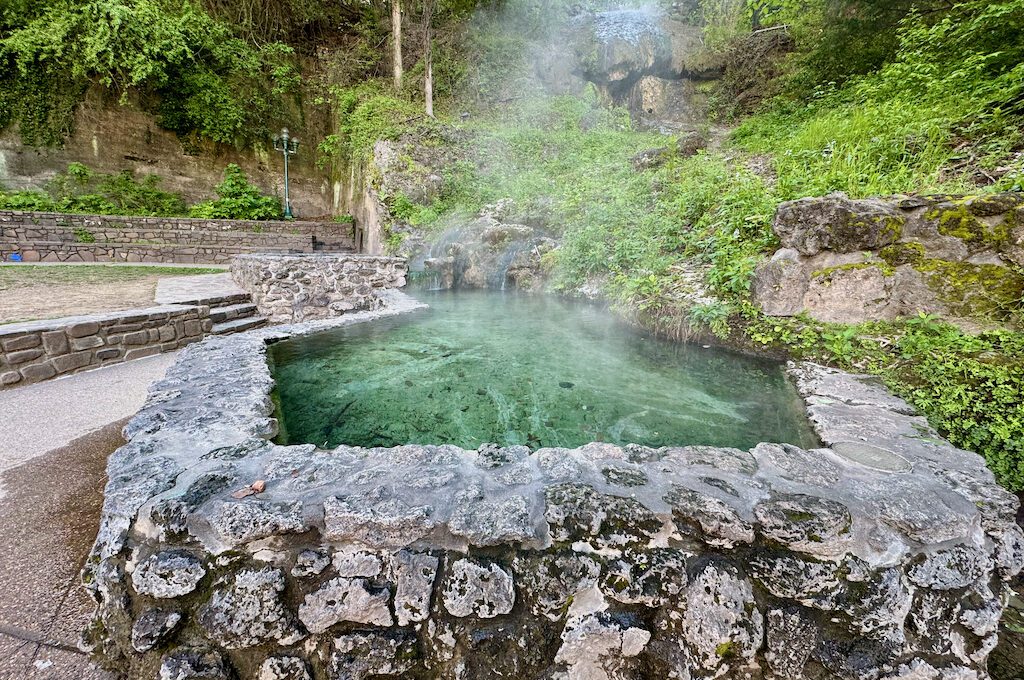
(30, 292)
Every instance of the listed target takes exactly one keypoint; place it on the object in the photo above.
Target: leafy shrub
(203, 78)
(366, 114)
(84, 236)
(237, 199)
(81, 190)
(29, 201)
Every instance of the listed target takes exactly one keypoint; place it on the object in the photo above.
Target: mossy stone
(898, 254)
(827, 273)
(956, 219)
(986, 291)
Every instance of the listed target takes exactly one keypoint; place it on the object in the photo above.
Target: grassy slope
(933, 120)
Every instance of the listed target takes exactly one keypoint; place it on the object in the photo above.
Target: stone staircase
(234, 315)
(231, 309)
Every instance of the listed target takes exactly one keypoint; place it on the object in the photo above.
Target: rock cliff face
(849, 261)
(492, 251)
(640, 59)
(884, 555)
(110, 138)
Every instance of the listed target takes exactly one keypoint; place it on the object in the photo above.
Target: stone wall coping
(214, 224)
(104, 318)
(362, 257)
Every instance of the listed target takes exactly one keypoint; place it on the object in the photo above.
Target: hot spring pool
(506, 368)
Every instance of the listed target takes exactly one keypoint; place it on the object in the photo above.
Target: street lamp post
(288, 146)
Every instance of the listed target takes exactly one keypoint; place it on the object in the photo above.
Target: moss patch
(974, 290)
(955, 219)
(902, 253)
(827, 273)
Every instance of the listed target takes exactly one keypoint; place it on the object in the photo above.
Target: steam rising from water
(484, 367)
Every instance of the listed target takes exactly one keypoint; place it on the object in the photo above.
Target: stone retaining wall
(58, 237)
(297, 243)
(318, 229)
(51, 251)
(39, 350)
(883, 555)
(293, 288)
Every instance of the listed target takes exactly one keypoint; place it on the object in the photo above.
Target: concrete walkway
(55, 438)
(48, 521)
(175, 265)
(45, 416)
(187, 289)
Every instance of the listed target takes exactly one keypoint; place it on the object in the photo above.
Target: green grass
(17, 276)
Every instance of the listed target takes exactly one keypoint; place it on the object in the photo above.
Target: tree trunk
(428, 58)
(396, 41)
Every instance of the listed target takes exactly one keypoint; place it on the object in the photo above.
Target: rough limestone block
(475, 589)
(37, 372)
(55, 342)
(26, 355)
(72, 362)
(88, 342)
(168, 574)
(81, 330)
(345, 599)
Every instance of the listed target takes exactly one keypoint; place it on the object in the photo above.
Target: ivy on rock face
(206, 80)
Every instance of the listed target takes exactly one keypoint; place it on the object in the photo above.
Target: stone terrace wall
(58, 237)
(223, 555)
(39, 350)
(291, 288)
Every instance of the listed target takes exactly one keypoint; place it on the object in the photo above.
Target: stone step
(239, 310)
(219, 301)
(238, 325)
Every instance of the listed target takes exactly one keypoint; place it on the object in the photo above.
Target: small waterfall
(498, 277)
(481, 253)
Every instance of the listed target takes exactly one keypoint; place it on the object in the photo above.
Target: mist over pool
(491, 367)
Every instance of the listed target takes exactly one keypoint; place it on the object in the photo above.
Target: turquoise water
(485, 366)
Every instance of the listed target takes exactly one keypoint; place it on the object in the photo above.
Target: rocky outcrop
(110, 136)
(884, 554)
(849, 261)
(407, 169)
(643, 60)
(492, 251)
